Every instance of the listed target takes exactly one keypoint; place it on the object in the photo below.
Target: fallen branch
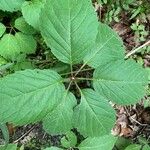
(135, 50)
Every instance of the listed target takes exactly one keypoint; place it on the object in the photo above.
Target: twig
(24, 135)
(138, 48)
(126, 110)
(141, 124)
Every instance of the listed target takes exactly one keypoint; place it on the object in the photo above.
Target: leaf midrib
(99, 49)
(86, 101)
(118, 81)
(37, 90)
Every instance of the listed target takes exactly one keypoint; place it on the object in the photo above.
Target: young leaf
(27, 43)
(122, 82)
(11, 5)
(69, 28)
(108, 48)
(23, 26)
(100, 143)
(27, 96)
(32, 7)
(60, 119)
(11, 46)
(69, 140)
(8, 147)
(93, 116)
(2, 29)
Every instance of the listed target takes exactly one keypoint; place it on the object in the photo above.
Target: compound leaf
(11, 5)
(27, 96)
(60, 119)
(98, 143)
(69, 28)
(2, 29)
(93, 116)
(122, 82)
(32, 7)
(108, 47)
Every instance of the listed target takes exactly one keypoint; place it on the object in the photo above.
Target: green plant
(70, 28)
(140, 32)
(143, 145)
(134, 8)
(113, 10)
(113, 14)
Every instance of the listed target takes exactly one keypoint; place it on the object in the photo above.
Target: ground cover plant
(70, 28)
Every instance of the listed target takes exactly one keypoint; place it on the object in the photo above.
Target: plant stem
(138, 48)
(71, 69)
(80, 69)
(66, 80)
(69, 86)
(77, 87)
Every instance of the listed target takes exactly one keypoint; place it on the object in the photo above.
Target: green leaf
(21, 148)
(135, 12)
(27, 96)
(53, 148)
(11, 5)
(148, 70)
(2, 61)
(122, 82)
(61, 67)
(60, 119)
(108, 48)
(122, 143)
(146, 147)
(11, 46)
(93, 116)
(32, 7)
(142, 140)
(22, 66)
(69, 140)
(134, 147)
(26, 43)
(9, 147)
(100, 143)
(2, 29)
(69, 28)
(5, 132)
(23, 26)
